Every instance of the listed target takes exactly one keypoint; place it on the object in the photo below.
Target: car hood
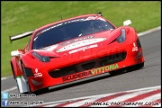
(88, 41)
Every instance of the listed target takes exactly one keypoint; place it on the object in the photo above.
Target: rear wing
(19, 36)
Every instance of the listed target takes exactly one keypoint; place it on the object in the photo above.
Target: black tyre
(17, 86)
(117, 72)
(135, 67)
(26, 79)
(26, 86)
(44, 90)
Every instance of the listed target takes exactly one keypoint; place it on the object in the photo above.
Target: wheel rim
(26, 79)
(17, 86)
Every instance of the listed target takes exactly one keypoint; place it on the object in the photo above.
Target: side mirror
(127, 22)
(15, 53)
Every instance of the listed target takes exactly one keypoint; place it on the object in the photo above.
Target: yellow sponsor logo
(91, 72)
(104, 69)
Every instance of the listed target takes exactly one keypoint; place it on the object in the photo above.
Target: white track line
(100, 95)
(149, 31)
(3, 78)
(7, 90)
(77, 104)
(148, 99)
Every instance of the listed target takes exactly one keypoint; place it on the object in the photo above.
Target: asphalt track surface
(148, 76)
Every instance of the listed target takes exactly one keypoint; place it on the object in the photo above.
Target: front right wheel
(135, 67)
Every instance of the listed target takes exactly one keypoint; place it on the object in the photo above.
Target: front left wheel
(22, 82)
(22, 85)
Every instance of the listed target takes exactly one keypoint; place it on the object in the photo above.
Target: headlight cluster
(122, 36)
(41, 58)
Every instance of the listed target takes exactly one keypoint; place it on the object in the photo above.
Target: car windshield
(69, 30)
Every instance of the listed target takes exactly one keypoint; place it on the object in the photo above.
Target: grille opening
(62, 72)
(114, 58)
(88, 66)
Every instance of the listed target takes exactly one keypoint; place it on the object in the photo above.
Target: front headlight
(41, 58)
(122, 36)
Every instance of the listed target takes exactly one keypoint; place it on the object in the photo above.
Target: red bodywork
(47, 74)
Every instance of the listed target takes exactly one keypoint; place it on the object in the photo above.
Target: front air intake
(95, 63)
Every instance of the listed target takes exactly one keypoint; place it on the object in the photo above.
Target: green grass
(21, 16)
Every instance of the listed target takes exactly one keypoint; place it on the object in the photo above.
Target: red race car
(74, 50)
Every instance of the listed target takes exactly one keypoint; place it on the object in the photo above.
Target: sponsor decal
(76, 76)
(104, 69)
(47, 29)
(50, 48)
(81, 43)
(75, 40)
(101, 19)
(95, 18)
(37, 74)
(135, 48)
(36, 70)
(91, 18)
(84, 19)
(95, 71)
(75, 20)
(83, 48)
(51, 27)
